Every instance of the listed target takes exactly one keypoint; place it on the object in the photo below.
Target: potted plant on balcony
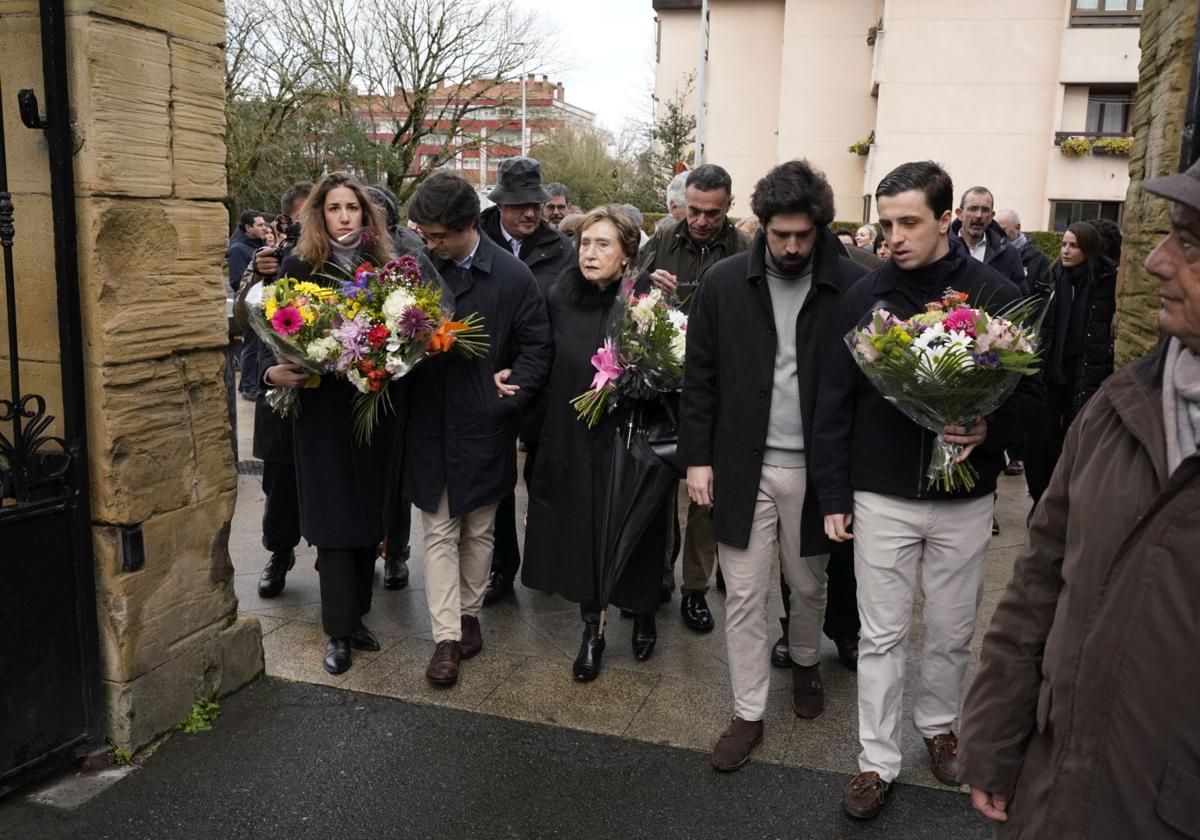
(1076, 147)
(1113, 146)
(862, 147)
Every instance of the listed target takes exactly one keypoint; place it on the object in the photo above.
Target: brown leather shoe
(943, 757)
(443, 667)
(865, 795)
(472, 638)
(808, 695)
(735, 744)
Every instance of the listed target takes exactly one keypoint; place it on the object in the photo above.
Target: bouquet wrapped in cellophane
(642, 358)
(373, 324)
(949, 365)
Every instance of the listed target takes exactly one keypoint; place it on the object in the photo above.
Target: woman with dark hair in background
(340, 482)
(1077, 351)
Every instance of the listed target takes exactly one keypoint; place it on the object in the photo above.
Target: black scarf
(581, 293)
(1072, 293)
(928, 282)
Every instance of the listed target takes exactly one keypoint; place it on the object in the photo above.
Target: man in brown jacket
(1082, 722)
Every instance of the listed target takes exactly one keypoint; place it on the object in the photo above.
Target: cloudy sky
(607, 55)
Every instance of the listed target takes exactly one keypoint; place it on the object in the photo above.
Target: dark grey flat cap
(519, 181)
(1184, 187)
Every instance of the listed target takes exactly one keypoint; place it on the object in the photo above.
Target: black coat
(573, 464)
(1078, 331)
(863, 442)
(340, 482)
(725, 408)
(1037, 266)
(240, 255)
(548, 253)
(999, 254)
(461, 437)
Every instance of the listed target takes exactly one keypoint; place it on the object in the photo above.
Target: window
(1106, 12)
(1109, 109)
(1063, 214)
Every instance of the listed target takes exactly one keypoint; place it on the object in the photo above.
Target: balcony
(1106, 13)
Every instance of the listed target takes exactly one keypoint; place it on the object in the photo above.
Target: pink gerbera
(287, 320)
(961, 320)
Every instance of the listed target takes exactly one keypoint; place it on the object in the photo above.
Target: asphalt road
(296, 761)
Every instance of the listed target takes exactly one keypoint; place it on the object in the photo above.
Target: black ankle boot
(587, 663)
(645, 634)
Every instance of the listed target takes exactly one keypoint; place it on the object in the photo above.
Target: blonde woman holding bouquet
(567, 494)
(340, 481)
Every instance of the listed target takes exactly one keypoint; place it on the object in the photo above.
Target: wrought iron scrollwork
(34, 466)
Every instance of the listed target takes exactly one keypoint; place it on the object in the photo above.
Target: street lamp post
(524, 114)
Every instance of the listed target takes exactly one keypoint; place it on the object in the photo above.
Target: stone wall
(147, 96)
(1167, 42)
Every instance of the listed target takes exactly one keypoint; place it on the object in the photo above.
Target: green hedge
(1049, 242)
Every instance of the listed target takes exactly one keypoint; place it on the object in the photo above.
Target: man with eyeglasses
(516, 224)
(987, 242)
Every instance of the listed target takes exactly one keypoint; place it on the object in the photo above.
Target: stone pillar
(1167, 41)
(147, 98)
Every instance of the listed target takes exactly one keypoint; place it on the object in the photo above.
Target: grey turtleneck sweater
(785, 432)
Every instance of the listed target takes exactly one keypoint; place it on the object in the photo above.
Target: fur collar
(579, 292)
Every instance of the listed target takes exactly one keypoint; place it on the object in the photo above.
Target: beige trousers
(458, 558)
(949, 540)
(748, 582)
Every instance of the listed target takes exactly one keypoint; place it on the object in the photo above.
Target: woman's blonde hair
(313, 246)
(627, 230)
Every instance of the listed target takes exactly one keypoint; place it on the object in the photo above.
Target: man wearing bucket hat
(1079, 723)
(515, 223)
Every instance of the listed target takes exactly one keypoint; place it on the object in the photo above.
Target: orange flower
(443, 339)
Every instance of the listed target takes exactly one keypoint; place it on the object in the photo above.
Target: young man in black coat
(515, 223)
(760, 329)
(869, 465)
(460, 457)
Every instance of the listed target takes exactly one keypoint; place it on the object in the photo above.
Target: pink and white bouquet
(949, 365)
(642, 358)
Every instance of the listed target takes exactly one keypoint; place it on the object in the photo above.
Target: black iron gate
(50, 706)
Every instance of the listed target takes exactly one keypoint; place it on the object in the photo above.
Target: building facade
(1032, 98)
(490, 128)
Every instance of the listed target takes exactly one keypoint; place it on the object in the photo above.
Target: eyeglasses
(435, 238)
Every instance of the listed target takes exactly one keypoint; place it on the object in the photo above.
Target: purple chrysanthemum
(414, 322)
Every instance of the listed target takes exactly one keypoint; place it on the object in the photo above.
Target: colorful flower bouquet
(949, 365)
(372, 326)
(641, 359)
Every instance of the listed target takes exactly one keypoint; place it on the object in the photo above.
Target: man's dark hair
(556, 188)
(923, 175)
(445, 199)
(1110, 235)
(962, 202)
(247, 218)
(300, 189)
(708, 177)
(793, 187)
(845, 234)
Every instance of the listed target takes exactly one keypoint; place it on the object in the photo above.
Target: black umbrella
(640, 473)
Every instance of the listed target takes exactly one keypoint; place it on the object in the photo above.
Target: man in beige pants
(756, 339)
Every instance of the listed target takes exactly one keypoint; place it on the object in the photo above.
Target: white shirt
(978, 251)
(514, 244)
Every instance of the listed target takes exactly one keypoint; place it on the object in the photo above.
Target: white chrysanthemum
(644, 312)
(323, 349)
(679, 345)
(934, 343)
(396, 364)
(395, 304)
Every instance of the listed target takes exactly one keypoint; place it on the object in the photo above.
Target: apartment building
(1032, 98)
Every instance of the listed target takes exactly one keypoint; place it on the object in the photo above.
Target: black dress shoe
(696, 615)
(847, 648)
(395, 571)
(337, 654)
(587, 664)
(274, 576)
(645, 634)
(364, 639)
(781, 656)
(498, 586)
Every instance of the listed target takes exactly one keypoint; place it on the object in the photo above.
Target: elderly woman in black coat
(340, 482)
(571, 474)
(1077, 349)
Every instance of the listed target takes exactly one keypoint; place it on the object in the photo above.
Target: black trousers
(506, 552)
(281, 513)
(841, 605)
(397, 535)
(1044, 443)
(346, 577)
